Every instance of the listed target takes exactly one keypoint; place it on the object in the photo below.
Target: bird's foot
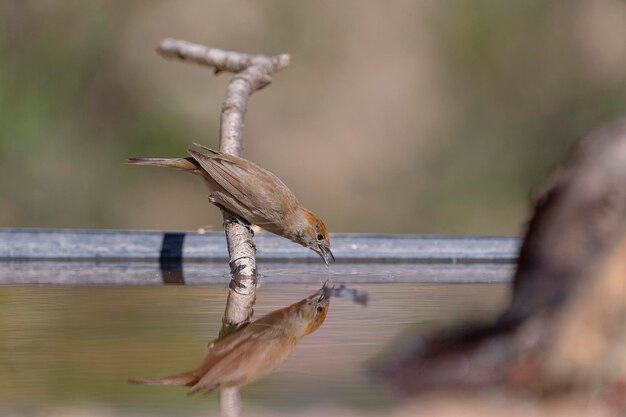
(231, 217)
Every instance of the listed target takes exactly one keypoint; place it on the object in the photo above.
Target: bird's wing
(224, 363)
(269, 326)
(217, 351)
(250, 360)
(254, 187)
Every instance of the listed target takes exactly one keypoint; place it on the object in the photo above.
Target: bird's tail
(186, 378)
(183, 164)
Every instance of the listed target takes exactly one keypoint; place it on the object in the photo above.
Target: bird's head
(313, 235)
(312, 310)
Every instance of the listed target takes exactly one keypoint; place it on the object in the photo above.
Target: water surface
(73, 347)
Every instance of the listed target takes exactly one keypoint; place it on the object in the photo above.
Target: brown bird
(253, 193)
(252, 351)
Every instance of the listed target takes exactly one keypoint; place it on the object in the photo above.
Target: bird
(254, 194)
(251, 352)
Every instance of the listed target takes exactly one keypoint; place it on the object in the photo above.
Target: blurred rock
(563, 332)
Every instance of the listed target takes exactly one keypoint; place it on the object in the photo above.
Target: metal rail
(118, 245)
(114, 257)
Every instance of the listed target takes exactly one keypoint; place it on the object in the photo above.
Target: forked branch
(253, 72)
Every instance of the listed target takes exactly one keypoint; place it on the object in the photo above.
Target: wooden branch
(253, 72)
(242, 287)
(218, 59)
(230, 402)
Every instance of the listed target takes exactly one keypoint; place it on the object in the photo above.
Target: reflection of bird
(253, 193)
(251, 352)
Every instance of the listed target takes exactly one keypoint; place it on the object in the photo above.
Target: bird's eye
(320, 236)
(320, 309)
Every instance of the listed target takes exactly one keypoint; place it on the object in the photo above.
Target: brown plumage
(252, 351)
(255, 194)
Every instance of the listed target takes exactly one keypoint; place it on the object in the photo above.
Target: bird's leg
(234, 218)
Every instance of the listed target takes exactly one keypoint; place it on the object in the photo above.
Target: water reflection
(252, 351)
(76, 346)
(171, 258)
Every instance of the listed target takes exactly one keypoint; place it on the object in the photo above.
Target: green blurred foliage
(69, 118)
(525, 95)
(429, 117)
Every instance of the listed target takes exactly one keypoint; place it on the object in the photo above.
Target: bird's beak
(325, 292)
(325, 253)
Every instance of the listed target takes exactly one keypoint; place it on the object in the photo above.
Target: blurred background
(403, 117)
